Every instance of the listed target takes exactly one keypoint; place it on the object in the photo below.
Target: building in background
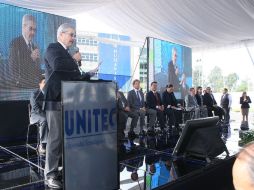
(116, 56)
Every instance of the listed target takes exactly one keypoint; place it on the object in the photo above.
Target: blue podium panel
(90, 135)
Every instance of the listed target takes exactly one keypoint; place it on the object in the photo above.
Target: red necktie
(157, 99)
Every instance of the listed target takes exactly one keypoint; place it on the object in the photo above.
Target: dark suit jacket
(172, 77)
(151, 101)
(59, 66)
(208, 100)
(198, 98)
(245, 104)
(36, 102)
(24, 71)
(169, 99)
(133, 100)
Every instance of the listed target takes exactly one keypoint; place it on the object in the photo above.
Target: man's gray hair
(26, 18)
(174, 50)
(63, 28)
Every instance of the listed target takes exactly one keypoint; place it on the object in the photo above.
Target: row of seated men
(136, 108)
(165, 109)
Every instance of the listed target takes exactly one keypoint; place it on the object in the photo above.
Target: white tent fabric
(194, 23)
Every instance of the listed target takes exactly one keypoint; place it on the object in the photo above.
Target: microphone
(73, 51)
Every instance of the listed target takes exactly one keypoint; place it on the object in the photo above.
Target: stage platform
(142, 168)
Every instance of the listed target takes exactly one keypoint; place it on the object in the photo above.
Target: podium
(90, 135)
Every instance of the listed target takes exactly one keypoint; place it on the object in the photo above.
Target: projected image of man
(173, 71)
(24, 56)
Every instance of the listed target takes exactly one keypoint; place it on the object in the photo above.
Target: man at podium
(59, 66)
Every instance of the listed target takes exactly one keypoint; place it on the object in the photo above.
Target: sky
(85, 22)
(230, 60)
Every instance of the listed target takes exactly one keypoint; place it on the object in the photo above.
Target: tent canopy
(194, 23)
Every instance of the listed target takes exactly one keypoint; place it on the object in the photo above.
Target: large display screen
(24, 37)
(170, 63)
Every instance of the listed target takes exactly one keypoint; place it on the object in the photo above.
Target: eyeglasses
(70, 34)
(32, 29)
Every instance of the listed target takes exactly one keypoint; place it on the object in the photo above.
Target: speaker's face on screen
(174, 55)
(68, 37)
(29, 30)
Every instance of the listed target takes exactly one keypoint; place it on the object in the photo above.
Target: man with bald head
(243, 169)
(58, 62)
(24, 56)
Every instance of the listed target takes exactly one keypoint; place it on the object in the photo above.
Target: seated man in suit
(200, 101)
(137, 105)
(172, 108)
(153, 101)
(191, 103)
(39, 116)
(124, 112)
(211, 104)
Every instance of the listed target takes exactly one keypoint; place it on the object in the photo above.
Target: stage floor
(142, 168)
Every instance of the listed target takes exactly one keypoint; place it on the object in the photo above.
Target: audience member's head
(170, 88)
(225, 91)
(192, 91)
(66, 34)
(136, 84)
(199, 90)
(244, 94)
(154, 86)
(28, 27)
(208, 90)
(243, 169)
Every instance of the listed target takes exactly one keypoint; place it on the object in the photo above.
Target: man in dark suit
(225, 103)
(173, 72)
(211, 104)
(124, 112)
(200, 100)
(59, 66)
(39, 116)
(137, 105)
(172, 108)
(153, 101)
(24, 56)
(191, 103)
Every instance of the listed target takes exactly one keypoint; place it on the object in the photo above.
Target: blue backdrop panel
(116, 60)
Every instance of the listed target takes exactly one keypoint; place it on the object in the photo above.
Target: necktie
(195, 101)
(138, 98)
(157, 99)
(201, 100)
(30, 46)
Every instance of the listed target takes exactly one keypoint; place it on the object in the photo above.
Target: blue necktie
(139, 101)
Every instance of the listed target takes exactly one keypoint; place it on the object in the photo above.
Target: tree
(243, 86)
(215, 79)
(230, 81)
(197, 76)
